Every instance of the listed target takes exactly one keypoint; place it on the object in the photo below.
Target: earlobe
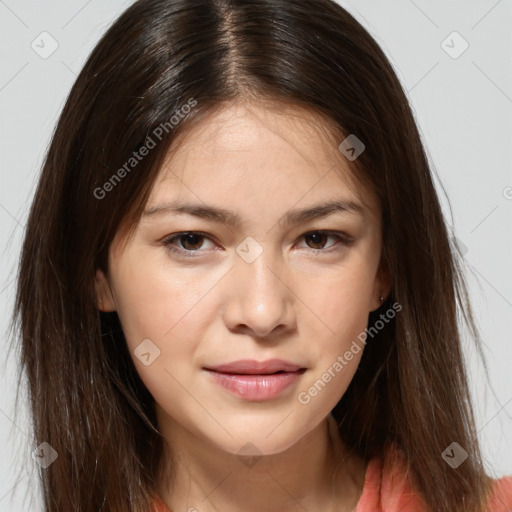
(382, 287)
(104, 297)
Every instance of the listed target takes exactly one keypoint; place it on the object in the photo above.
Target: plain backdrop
(460, 88)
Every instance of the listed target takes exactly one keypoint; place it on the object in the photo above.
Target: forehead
(247, 147)
(248, 127)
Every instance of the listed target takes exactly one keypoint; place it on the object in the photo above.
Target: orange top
(387, 489)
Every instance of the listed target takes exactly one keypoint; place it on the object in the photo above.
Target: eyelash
(343, 240)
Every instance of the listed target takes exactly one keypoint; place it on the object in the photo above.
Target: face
(264, 283)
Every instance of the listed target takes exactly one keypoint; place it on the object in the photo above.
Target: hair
(86, 398)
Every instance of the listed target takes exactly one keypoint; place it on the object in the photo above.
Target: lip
(253, 367)
(256, 381)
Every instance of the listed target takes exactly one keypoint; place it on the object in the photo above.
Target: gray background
(463, 106)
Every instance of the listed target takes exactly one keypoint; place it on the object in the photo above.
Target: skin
(292, 302)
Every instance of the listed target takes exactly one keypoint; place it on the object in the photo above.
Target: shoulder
(388, 487)
(397, 491)
(500, 496)
(159, 505)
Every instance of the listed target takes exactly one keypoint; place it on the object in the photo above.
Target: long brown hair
(87, 400)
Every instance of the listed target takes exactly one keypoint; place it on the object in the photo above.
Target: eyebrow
(230, 218)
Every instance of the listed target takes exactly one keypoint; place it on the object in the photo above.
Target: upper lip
(252, 367)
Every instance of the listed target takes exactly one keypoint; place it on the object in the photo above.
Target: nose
(261, 302)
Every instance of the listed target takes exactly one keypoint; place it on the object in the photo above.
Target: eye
(191, 241)
(319, 237)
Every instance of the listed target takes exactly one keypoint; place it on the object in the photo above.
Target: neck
(313, 474)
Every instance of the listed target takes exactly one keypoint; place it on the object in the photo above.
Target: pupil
(316, 237)
(191, 239)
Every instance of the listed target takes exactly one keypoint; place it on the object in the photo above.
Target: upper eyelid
(183, 233)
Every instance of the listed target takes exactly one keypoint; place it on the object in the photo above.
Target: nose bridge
(261, 301)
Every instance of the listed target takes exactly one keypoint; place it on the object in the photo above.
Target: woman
(269, 369)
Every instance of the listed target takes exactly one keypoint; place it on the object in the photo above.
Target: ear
(104, 296)
(382, 286)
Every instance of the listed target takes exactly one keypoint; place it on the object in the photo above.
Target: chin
(268, 438)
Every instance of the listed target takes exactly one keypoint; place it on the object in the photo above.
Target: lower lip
(256, 387)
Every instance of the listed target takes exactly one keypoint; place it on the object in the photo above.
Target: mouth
(252, 367)
(256, 381)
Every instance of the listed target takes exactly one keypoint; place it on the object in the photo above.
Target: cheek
(158, 310)
(155, 302)
(341, 317)
(338, 347)
(340, 304)
(170, 308)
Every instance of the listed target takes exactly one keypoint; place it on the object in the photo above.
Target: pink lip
(256, 381)
(252, 367)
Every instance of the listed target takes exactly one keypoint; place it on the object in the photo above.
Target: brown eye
(316, 240)
(189, 241)
(186, 243)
